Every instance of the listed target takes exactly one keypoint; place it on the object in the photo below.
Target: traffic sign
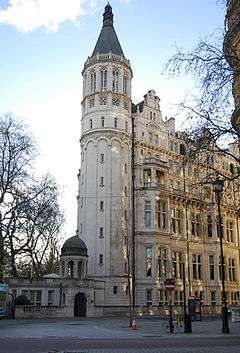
(169, 284)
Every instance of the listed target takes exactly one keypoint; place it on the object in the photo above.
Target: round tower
(105, 176)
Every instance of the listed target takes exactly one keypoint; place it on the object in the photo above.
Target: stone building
(232, 54)
(175, 230)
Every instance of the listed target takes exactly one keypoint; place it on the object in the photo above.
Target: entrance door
(80, 305)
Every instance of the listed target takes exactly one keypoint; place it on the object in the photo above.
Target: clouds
(28, 15)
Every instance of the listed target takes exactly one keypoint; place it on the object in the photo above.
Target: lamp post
(218, 189)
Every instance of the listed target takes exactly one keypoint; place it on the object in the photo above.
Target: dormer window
(103, 80)
(93, 82)
(115, 80)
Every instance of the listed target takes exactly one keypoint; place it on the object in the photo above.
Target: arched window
(80, 269)
(71, 269)
(103, 80)
(115, 80)
(93, 81)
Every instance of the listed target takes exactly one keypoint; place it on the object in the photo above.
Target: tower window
(102, 158)
(101, 205)
(101, 259)
(125, 191)
(103, 100)
(125, 168)
(103, 80)
(125, 85)
(101, 232)
(126, 126)
(150, 115)
(93, 81)
(114, 289)
(116, 101)
(90, 123)
(101, 181)
(115, 122)
(115, 80)
(102, 121)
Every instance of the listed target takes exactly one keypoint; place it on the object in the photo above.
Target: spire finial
(108, 16)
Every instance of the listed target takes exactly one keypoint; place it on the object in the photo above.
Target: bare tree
(22, 198)
(208, 114)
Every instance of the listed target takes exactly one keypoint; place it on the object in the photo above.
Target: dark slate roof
(108, 41)
(74, 246)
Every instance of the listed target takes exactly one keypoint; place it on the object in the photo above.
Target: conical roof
(108, 41)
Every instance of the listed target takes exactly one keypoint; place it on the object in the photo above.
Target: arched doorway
(80, 305)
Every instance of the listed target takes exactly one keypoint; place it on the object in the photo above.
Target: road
(113, 336)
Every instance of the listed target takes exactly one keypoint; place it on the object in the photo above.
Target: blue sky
(43, 50)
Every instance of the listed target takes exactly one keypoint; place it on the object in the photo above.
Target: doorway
(80, 305)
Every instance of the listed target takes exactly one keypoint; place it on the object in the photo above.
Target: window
(163, 297)
(149, 297)
(150, 115)
(81, 226)
(93, 82)
(177, 265)
(211, 267)
(213, 298)
(156, 139)
(126, 104)
(125, 85)
(162, 262)
(103, 80)
(34, 296)
(220, 268)
(149, 261)
(195, 223)
(115, 80)
(102, 158)
(125, 168)
(81, 202)
(148, 214)
(102, 121)
(178, 298)
(229, 231)
(222, 227)
(176, 221)
(101, 181)
(126, 126)
(231, 270)
(101, 232)
(159, 178)
(154, 116)
(101, 259)
(161, 214)
(234, 298)
(115, 122)
(197, 270)
(90, 123)
(115, 289)
(147, 176)
(125, 191)
(209, 226)
(80, 269)
(101, 205)
(125, 216)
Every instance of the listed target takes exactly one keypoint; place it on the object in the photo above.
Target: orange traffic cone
(134, 325)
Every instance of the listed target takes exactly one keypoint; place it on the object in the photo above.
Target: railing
(105, 57)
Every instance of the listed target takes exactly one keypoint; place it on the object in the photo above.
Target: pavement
(114, 335)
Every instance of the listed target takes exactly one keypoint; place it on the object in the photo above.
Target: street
(113, 336)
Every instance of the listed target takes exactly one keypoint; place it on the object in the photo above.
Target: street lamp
(218, 185)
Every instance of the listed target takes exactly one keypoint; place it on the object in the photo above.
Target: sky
(43, 47)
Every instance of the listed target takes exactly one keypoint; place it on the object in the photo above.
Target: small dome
(74, 246)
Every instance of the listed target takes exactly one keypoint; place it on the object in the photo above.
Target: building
(232, 53)
(173, 232)
(175, 216)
